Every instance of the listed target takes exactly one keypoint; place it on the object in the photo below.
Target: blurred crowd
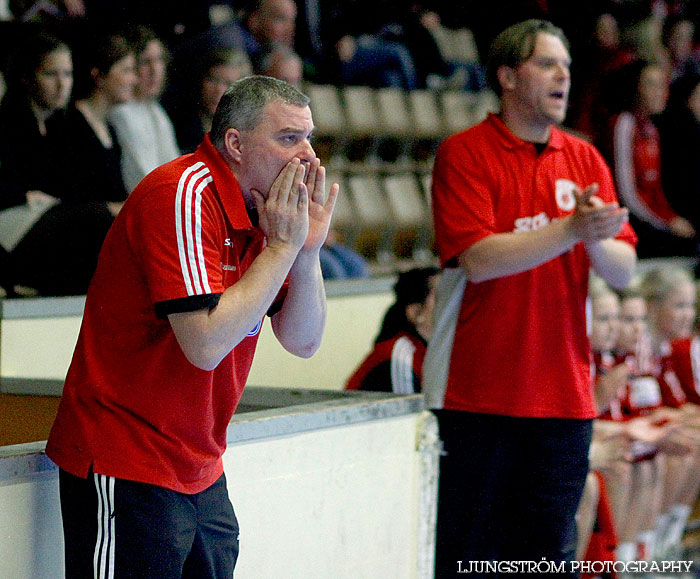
(646, 442)
(97, 94)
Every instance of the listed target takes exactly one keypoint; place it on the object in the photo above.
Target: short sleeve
(175, 233)
(463, 206)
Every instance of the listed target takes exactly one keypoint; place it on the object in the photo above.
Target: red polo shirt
(520, 346)
(684, 360)
(133, 406)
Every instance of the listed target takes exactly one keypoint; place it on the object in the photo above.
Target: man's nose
(307, 152)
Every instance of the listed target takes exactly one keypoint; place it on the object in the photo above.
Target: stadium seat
(457, 110)
(425, 113)
(406, 199)
(375, 223)
(327, 110)
(394, 113)
(361, 110)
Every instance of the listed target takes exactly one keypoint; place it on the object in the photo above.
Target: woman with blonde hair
(670, 294)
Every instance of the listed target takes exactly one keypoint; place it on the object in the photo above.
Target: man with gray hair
(205, 247)
(522, 211)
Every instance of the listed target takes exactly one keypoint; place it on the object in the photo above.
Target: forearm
(613, 260)
(299, 324)
(207, 336)
(504, 254)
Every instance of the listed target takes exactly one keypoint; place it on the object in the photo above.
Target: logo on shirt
(256, 329)
(523, 224)
(564, 194)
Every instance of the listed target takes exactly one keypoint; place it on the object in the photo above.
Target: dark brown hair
(515, 45)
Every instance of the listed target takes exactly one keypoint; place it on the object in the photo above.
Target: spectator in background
(635, 151)
(603, 54)
(268, 24)
(39, 84)
(396, 362)
(88, 175)
(339, 261)
(364, 57)
(145, 133)
(414, 25)
(109, 79)
(191, 106)
(345, 46)
(641, 398)
(670, 295)
(677, 39)
(283, 63)
(680, 148)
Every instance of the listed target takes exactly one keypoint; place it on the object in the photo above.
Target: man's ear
(506, 77)
(232, 143)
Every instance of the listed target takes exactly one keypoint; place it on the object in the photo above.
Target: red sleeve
(685, 357)
(463, 209)
(177, 239)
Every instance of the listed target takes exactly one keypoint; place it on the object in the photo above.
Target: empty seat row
(378, 211)
(360, 111)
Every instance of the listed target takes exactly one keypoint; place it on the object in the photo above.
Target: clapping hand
(593, 219)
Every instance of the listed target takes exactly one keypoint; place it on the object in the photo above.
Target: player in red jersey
(597, 532)
(670, 294)
(637, 401)
(396, 362)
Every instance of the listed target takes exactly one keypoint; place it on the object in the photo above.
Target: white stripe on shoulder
(198, 235)
(623, 153)
(402, 366)
(188, 225)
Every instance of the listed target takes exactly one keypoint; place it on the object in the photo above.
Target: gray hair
(243, 104)
(515, 45)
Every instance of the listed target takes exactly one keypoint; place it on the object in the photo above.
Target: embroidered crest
(564, 194)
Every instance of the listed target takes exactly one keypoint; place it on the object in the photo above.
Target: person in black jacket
(79, 161)
(39, 81)
(680, 148)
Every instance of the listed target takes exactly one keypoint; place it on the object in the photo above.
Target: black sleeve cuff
(188, 304)
(274, 308)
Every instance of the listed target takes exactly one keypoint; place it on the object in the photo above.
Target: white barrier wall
(340, 503)
(351, 501)
(351, 326)
(41, 346)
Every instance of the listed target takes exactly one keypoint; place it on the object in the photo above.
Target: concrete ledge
(263, 413)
